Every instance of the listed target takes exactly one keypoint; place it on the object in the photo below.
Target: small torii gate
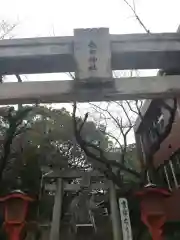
(61, 186)
(92, 54)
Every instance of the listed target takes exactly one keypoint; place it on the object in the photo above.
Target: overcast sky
(46, 17)
(38, 18)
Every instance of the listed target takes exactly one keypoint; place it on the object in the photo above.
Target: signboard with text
(125, 219)
(92, 53)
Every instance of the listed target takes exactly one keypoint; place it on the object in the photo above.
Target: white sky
(44, 17)
(57, 17)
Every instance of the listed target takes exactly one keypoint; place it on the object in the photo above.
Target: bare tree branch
(136, 15)
(115, 138)
(105, 118)
(134, 5)
(138, 109)
(120, 104)
(6, 28)
(110, 114)
(124, 130)
(86, 146)
(125, 111)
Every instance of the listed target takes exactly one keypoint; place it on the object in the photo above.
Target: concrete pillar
(56, 218)
(115, 215)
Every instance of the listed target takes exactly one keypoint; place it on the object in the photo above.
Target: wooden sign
(125, 220)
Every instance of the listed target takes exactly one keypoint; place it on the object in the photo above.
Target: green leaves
(40, 136)
(14, 119)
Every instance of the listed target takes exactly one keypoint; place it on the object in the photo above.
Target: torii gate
(92, 54)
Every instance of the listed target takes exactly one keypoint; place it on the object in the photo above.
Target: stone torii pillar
(56, 218)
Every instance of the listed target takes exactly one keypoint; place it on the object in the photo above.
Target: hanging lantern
(16, 206)
(153, 213)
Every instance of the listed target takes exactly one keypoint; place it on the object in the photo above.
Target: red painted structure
(153, 213)
(16, 207)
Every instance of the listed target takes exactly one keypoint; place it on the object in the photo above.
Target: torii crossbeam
(92, 54)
